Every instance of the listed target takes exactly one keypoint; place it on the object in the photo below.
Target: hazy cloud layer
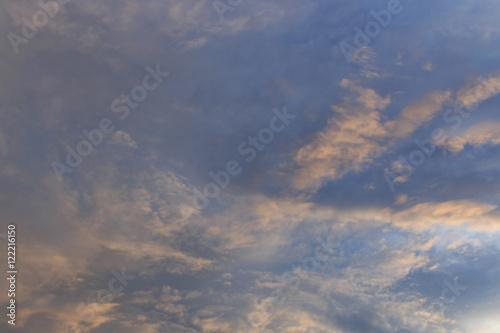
(309, 236)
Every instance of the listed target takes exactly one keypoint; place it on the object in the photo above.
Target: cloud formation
(128, 208)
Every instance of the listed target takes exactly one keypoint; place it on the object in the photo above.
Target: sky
(321, 166)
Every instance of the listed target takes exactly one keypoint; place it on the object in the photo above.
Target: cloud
(418, 113)
(358, 133)
(401, 199)
(483, 133)
(101, 230)
(199, 271)
(352, 137)
(122, 138)
(475, 215)
(366, 97)
(480, 90)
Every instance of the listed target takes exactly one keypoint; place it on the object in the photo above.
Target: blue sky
(243, 173)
